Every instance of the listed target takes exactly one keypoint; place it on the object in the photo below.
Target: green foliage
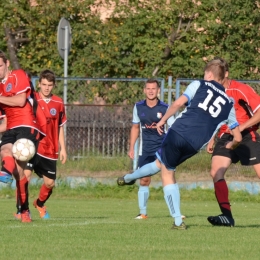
(135, 38)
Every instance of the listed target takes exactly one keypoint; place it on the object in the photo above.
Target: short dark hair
(3, 56)
(49, 75)
(153, 81)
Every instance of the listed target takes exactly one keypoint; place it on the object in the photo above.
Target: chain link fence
(99, 115)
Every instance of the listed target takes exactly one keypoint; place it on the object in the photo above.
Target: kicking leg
(147, 170)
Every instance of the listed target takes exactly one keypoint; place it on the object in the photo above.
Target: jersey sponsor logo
(53, 111)
(143, 114)
(8, 87)
(153, 125)
(159, 115)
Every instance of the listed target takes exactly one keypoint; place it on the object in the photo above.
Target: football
(23, 149)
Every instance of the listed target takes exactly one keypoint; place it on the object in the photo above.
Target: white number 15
(215, 108)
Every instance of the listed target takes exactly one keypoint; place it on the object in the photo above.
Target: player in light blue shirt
(146, 114)
(208, 107)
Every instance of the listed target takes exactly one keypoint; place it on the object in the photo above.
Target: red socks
(8, 164)
(22, 193)
(44, 194)
(221, 192)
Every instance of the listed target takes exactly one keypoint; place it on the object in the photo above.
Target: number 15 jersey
(208, 108)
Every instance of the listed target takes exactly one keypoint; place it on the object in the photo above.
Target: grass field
(103, 228)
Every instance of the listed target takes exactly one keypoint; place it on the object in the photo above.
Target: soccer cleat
(43, 212)
(182, 226)
(5, 177)
(221, 220)
(17, 216)
(121, 182)
(183, 217)
(141, 216)
(25, 216)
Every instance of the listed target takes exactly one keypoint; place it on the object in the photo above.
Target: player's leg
(7, 159)
(172, 197)
(144, 171)
(143, 196)
(21, 179)
(144, 192)
(22, 191)
(221, 160)
(47, 170)
(257, 169)
(219, 165)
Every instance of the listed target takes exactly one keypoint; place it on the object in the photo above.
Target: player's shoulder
(240, 86)
(161, 103)
(56, 98)
(18, 72)
(140, 103)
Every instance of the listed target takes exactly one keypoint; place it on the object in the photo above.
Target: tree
(138, 38)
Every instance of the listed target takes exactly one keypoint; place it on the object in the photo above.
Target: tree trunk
(11, 48)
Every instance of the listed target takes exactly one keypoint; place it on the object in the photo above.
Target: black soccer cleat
(121, 182)
(221, 220)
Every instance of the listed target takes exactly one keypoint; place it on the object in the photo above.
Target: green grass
(99, 225)
(95, 164)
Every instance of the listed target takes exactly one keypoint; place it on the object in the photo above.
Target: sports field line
(26, 225)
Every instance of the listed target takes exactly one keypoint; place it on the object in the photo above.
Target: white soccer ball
(23, 150)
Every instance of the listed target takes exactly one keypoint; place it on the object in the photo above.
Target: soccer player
(208, 107)
(247, 104)
(16, 107)
(146, 114)
(44, 163)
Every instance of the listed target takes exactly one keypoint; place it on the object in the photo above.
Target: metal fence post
(169, 90)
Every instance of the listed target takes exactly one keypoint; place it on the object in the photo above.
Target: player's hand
(210, 146)
(160, 127)
(63, 156)
(131, 154)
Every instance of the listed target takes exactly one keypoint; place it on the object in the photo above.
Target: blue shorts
(145, 159)
(174, 150)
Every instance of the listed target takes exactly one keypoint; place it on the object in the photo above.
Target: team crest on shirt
(53, 111)
(159, 115)
(8, 87)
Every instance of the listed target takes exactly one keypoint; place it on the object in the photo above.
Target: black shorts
(43, 167)
(174, 150)
(248, 151)
(12, 135)
(145, 159)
